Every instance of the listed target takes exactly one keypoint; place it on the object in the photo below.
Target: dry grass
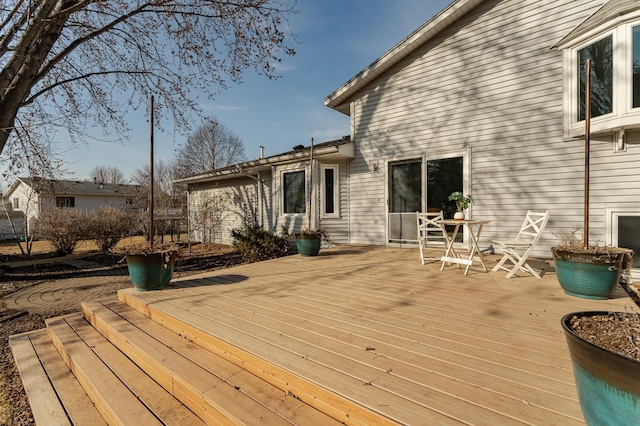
(84, 246)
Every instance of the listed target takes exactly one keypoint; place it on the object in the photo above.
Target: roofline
(338, 99)
(343, 147)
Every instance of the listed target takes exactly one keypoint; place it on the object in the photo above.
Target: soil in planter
(619, 333)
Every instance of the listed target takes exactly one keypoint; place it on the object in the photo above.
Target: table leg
(450, 253)
(474, 248)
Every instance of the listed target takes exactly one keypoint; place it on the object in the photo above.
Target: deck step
(56, 397)
(122, 392)
(216, 390)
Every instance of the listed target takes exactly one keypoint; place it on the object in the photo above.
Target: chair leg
(499, 265)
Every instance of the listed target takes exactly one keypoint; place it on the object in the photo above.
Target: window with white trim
(294, 192)
(615, 79)
(330, 191)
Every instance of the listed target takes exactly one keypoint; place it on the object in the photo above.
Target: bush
(256, 243)
(107, 226)
(63, 227)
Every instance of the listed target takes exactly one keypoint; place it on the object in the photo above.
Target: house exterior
(273, 192)
(31, 196)
(487, 97)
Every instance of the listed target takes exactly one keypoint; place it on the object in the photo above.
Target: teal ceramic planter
(608, 384)
(308, 245)
(150, 271)
(587, 275)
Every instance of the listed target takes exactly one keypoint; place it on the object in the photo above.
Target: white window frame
(623, 115)
(611, 228)
(336, 192)
(306, 192)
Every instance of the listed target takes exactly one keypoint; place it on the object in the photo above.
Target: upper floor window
(601, 55)
(612, 43)
(16, 203)
(294, 190)
(635, 64)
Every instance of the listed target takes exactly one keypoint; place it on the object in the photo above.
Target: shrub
(109, 225)
(256, 243)
(63, 227)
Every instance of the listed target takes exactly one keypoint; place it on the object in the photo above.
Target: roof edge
(409, 44)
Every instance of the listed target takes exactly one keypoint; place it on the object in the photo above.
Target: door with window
(421, 185)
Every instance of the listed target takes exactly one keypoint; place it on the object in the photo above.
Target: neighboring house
(7, 217)
(31, 196)
(486, 97)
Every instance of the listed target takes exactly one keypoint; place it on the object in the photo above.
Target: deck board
(414, 344)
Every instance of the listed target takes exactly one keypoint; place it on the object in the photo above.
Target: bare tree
(74, 64)
(210, 147)
(107, 174)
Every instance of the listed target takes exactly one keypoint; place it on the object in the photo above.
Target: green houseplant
(462, 203)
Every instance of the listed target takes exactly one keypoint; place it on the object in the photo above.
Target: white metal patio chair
(430, 230)
(518, 250)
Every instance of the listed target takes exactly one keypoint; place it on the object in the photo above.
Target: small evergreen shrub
(256, 243)
(107, 226)
(63, 227)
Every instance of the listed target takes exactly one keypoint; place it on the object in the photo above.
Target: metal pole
(587, 143)
(310, 184)
(151, 178)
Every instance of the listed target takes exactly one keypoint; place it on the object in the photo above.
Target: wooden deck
(368, 335)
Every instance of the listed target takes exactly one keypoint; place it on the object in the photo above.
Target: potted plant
(606, 363)
(308, 241)
(462, 203)
(589, 271)
(150, 269)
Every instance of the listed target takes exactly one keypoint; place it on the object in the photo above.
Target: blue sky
(336, 40)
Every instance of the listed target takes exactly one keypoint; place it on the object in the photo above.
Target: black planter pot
(308, 244)
(152, 271)
(608, 384)
(588, 275)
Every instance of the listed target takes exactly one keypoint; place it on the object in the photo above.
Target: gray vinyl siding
(490, 84)
(215, 208)
(337, 227)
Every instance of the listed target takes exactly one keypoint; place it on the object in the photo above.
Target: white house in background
(31, 196)
(486, 97)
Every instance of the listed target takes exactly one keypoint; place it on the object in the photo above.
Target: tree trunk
(21, 73)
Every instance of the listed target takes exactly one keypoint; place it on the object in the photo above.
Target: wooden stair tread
(45, 405)
(80, 346)
(210, 386)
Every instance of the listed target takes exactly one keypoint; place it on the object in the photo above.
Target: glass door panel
(405, 199)
(444, 176)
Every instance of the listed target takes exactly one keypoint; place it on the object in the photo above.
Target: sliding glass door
(414, 188)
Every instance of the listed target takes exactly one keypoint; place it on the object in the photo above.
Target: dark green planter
(588, 275)
(608, 384)
(308, 244)
(150, 271)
